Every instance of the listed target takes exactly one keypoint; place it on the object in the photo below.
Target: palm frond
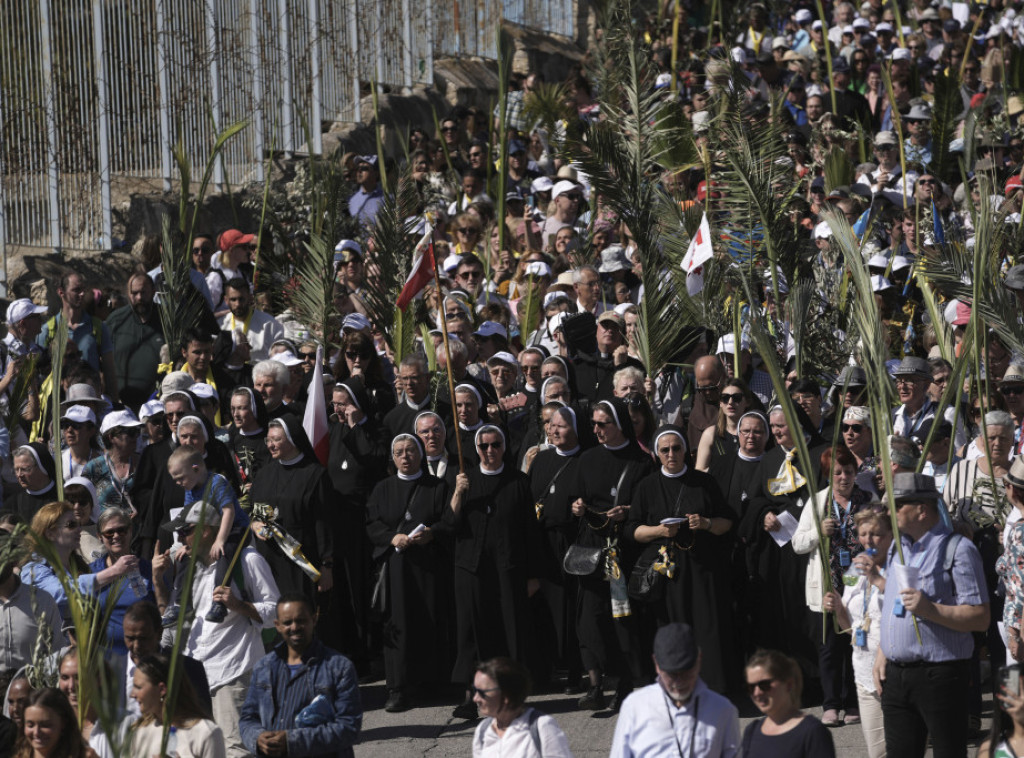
(947, 107)
(546, 107)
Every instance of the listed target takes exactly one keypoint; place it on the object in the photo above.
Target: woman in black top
(679, 517)
(404, 523)
(552, 476)
(609, 474)
(496, 546)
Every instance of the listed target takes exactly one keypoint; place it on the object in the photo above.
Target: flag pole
(448, 365)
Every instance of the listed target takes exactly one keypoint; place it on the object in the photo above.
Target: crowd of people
(518, 500)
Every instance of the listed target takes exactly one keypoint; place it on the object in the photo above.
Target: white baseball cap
(123, 418)
(541, 184)
(150, 409)
(503, 356)
(79, 414)
(22, 308)
(727, 344)
(287, 358)
(563, 187)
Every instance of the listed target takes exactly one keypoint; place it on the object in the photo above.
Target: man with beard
(709, 719)
(138, 337)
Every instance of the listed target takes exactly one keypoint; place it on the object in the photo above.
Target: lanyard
(840, 520)
(869, 590)
(245, 326)
(916, 420)
(672, 724)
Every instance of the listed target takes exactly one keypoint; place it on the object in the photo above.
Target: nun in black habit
(37, 479)
(405, 524)
(496, 543)
(608, 476)
(247, 435)
(679, 515)
(553, 473)
(781, 619)
(470, 417)
(356, 461)
(296, 485)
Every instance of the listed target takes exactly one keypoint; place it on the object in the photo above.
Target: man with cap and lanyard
(914, 417)
(932, 605)
(679, 712)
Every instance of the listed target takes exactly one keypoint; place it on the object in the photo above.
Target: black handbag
(581, 560)
(379, 599)
(646, 584)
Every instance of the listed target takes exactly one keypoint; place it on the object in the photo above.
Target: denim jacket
(276, 696)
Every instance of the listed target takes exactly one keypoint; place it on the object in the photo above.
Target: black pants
(922, 701)
(835, 662)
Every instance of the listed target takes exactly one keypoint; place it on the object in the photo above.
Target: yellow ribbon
(789, 479)
(757, 39)
(209, 380)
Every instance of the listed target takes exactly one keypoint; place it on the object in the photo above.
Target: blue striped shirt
(964, 585)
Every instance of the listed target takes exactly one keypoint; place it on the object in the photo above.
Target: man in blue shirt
(678, 714)
(367, 200)
(284, 714)
(923, 680)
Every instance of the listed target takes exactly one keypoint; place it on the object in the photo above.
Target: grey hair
(998, 418)
(456, 347)
(272, 368)
(417, 361)
(577, 275)
(113, 512)
(628, 372)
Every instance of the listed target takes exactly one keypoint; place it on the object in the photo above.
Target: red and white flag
(314, 420)
(422, 272)
(699, 253)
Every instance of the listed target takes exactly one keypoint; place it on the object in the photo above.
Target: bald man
(709, 376)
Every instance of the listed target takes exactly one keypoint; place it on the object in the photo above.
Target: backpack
(531, 719)
(97, 331)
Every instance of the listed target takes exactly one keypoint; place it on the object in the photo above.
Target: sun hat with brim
(852, 376)
(176, 381)
(611, 317)
(1015, 476)
(911, 487)
(80, 414)
(914, 366)
(1014, 374)
(83, 394)
(1015, 278)
(124, 419)
(919, 113)
(200, 512)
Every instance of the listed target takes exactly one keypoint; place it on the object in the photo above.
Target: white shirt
(21, 616)
(650, 724)
(234, 646)
(517, 742)
(864, 657)
(264, 330)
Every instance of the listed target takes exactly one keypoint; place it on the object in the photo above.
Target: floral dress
(1010, 568)
(110, 490)
(845, 535)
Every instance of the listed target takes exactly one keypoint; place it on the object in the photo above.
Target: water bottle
(138, 584)
(172, 743)
(853, 574)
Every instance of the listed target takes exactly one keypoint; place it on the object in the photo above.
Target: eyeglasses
(1014, 390)
(76, 425)
(731, 397)
(449, 128)
(906, 382)
(708, 388)
(764, 685)
(117, 531)
(574, 198)
(855, 428)
(308, 356)
(474, 274)
(476, 155)
(353, 354)
(940, 379)
(670, 449)
(174, 415)
(484, 693)
(601, 424)
(926, 181)
(125, 431)
(202, 249)
(490, 445)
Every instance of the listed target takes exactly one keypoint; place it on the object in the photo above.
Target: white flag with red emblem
(422, 271)
(699, 253)
(314, 420)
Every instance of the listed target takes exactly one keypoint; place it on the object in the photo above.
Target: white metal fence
(95, 92)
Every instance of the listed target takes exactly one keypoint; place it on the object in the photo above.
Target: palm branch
(621, 160)
(947, 107)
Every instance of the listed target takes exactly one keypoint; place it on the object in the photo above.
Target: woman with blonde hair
(57, 534)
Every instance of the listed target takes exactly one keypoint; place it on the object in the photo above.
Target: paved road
(430, 730)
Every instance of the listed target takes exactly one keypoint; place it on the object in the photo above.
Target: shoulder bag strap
(547, 489)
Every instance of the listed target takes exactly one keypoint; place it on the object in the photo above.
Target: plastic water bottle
(853, 574)
(172, 743)
(138, 584)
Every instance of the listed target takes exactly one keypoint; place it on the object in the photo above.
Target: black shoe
(592, 701)
(620, 697)
(466, 711)
(217, 613)
(573, 685)
(397, 702)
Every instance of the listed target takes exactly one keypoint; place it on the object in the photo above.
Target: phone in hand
(531, 201)
(1009, 680)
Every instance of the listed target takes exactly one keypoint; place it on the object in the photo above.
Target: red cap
(233, 237)
(1012, 184)
(963, 314)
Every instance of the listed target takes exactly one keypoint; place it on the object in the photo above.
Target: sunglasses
(76, 425)
(1016, 390)
(175, 414)
(764, 685)
(731, 397)
(467, 230)
(601, 424)
(449, 128)
(308, 356)
(574, 198)
(484, 693)
(855, 428)
(202, 249)
(710, 388)
(117, 531)
(353, 354)
(490, 445)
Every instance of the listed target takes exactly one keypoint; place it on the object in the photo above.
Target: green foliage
(948, 105)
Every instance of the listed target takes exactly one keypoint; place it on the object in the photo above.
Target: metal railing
(97, 92)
